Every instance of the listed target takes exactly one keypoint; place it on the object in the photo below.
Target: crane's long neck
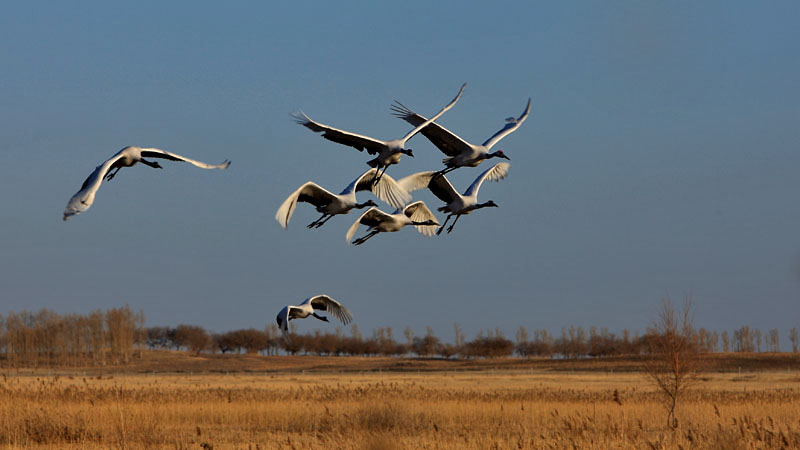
(481, 205)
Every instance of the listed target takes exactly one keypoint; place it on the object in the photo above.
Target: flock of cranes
(396, 193)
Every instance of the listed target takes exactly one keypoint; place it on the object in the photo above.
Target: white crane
(460, 153)
(456, 204)
(330, 204)
(377, 221)
(307, 308)
(389, 152)
(126, 157)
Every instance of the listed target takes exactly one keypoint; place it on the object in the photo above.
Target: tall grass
(394, 411)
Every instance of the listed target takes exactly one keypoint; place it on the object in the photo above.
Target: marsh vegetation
(391, 410)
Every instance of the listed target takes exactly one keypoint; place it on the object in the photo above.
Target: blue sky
(660, 159)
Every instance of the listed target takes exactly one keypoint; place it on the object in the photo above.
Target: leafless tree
(459, 339)
(409, 334)
(426, 346)
(674, 361)
(157, 337)
(794, 338)
(757, 338)
(773, 341)
(193, 338)
(713, 341)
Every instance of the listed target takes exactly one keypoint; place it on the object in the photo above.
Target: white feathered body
(470, 158)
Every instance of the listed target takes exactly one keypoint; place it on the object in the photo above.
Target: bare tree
(674, 362)
(409, 334)
(757, 339)
(745, 339)
(773, 341)
(157, 337)
(193, 337)
(522, 335)
(426, 346)
(459, 339)
(794, 337)
(713, 341)
(726, 342)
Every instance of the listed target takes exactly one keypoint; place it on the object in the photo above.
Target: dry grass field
(483, 408)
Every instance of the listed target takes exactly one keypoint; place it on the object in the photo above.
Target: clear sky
(660, 158)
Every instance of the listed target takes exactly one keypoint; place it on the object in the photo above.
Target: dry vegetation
(489, 408)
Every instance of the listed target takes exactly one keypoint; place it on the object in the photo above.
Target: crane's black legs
(110, 174)
(319, 222)
(450, 228)
(439, 231)
(379, 173)
(444, 171)
(361, 240)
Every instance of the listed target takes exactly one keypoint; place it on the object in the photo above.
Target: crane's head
(500, 154)
(408, 152)
(491, 203)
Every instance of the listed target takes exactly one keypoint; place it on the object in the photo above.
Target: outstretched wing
(357, 141)
(494, 173)
(158, 153)
(309, 192)
(283, 321)
(439, 114)
(416, 181)
(511, 125)
(371, 217)
(334, 308)
(84, 198)
(439, 185)
(419, 212)
(387, 189)
(445, 140)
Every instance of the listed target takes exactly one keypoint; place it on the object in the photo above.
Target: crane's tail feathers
(428, 230)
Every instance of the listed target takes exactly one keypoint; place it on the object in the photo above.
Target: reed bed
(476, 410)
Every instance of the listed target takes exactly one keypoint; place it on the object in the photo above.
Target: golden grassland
(437, 409)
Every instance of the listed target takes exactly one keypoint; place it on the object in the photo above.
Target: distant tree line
(48, 339)
(574, 342)
(115, 336)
